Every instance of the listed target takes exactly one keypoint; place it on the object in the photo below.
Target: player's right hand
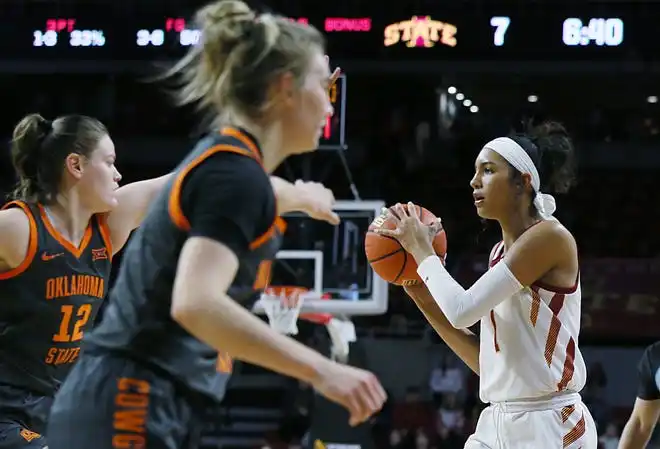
(357, 390)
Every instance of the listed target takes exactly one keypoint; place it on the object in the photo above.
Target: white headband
(515, 155)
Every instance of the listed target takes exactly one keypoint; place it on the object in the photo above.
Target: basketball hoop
(282, 305)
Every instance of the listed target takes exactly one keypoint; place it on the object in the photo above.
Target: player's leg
(109, 402)
(14, 436)
(485, 435)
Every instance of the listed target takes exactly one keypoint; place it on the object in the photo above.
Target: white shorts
(560, 423)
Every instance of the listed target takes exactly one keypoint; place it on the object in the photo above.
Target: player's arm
(312, 198)
(463, 342)
(133, 201)
(223, 223)
(538, 251)
(289, 197)
(637, 431)
(15, 242)
(646, 411)
(201, 305)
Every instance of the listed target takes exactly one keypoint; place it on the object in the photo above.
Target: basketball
(388, 258)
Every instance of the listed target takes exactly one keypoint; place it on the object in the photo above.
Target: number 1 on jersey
(82, 314)
(492, 321)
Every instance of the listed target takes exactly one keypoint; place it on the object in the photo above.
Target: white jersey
(529, 343)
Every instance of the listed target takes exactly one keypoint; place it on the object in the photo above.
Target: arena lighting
(532, 98)
(652, 99)
(469, 105)
(453, 90)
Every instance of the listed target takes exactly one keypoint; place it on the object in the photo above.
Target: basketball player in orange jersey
(195, 266)
(528, 302)
(59, 236)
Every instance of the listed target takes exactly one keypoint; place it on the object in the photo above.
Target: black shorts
(110, 402)
(23, 418)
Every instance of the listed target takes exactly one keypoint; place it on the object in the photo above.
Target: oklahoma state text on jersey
(49, 301)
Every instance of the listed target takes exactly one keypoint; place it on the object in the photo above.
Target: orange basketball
(388, 258)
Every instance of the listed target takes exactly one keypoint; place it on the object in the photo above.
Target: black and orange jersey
(49, 301)
(222, 192)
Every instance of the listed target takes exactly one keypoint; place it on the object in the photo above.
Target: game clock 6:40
(598, 31)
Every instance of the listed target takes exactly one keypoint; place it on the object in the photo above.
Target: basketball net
(282, 305)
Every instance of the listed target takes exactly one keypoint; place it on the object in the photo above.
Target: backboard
(330, 260)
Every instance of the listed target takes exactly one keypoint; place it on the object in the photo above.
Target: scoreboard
(397, 31)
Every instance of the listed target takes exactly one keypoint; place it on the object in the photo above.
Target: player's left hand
(317, 201)
(415, 237)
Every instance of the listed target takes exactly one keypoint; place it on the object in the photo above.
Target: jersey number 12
(80, 318)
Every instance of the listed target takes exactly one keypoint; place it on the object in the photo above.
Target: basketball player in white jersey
(528, 302)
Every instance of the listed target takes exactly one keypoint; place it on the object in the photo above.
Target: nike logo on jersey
(46, 257)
